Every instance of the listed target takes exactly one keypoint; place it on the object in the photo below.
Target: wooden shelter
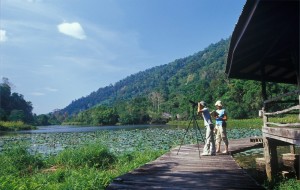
(265, 47)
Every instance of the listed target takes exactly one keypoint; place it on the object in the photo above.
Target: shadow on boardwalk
(189, 171)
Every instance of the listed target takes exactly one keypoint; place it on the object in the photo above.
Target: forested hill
(169, 79)
(168, 88)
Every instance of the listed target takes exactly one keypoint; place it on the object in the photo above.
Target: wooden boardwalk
(189, 171)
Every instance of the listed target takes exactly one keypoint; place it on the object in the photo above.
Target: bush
(93, 155)
(14, 126)
(17, 160)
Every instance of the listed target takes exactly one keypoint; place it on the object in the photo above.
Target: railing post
(264, 117)
(270, 154)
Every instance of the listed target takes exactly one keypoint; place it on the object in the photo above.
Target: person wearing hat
(220, 130)
(209, 147)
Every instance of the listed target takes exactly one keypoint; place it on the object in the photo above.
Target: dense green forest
(17, 112)
(156, 95)
(13, 106)
(163, 92)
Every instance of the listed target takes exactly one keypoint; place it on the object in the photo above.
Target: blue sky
(56, 51)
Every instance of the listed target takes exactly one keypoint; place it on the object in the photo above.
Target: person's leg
(206, 148)
(225, 139)
(218, 138)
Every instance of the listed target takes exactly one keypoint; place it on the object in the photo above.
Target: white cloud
(51, 89)
(3, 36)
(73, 29)
(37, 94)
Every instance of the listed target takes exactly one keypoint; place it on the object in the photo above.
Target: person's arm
(199, 110)
(214, 114)
(224, 117)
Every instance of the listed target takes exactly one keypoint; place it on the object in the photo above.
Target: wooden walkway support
(280, 133)
(189, 171)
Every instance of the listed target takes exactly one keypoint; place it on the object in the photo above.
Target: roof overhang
(265, 43)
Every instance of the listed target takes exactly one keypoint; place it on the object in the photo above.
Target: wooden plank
(284, 125)
(297, 107)
(189, 171)
(290, 135)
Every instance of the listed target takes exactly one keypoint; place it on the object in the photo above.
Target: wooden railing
(265, 115)
(282, 133)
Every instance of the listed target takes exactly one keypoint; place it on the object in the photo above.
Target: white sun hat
(218, 103)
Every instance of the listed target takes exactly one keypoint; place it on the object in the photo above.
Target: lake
(79, 129)
(52, 139)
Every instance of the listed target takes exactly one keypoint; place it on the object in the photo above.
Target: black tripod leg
(184, 136)
(195, 124)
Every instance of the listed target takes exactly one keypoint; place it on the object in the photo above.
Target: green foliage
(288, 184)
(145, 96)
(134, 111)
(100, 115)
(18, 161)
(13, 106)
(14, 126)
(16, 115)
(254, 123)
(93, 155)
(90, 166)
(97, 158)
(42, 119)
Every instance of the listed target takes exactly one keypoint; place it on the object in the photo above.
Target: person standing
(209, 147)
(221, 134)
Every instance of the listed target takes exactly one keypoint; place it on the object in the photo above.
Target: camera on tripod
(194, 104)
(195, 126)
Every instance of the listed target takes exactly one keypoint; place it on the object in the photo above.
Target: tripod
(195, 126)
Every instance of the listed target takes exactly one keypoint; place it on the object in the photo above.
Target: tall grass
(14, 126)
(87, 167)
(253, 123)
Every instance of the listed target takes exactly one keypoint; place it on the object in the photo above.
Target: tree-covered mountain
(168, 89)
(167, 79)
(13, 106)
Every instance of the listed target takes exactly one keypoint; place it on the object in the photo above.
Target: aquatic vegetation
(91, 160)
(14, 126)
(118, 141)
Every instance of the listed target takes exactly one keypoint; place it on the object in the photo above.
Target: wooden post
(270, 153)
(292, 149)
(264, 117)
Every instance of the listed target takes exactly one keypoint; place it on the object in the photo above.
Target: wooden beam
(284, 111)
(284, 125)
(270, 154)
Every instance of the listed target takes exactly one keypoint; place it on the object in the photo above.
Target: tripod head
(194, 104)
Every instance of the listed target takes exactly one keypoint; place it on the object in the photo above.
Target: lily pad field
(118, 141)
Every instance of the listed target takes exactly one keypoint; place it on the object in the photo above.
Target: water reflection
(79, 129)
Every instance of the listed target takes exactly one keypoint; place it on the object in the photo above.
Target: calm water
(52, 139)
(80, 129)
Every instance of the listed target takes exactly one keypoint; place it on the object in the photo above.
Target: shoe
(205, 154)
(225, 152)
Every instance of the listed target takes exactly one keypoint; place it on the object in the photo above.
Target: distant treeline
(16, 112)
